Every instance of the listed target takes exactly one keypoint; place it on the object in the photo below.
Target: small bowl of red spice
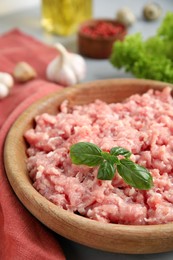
(96, 37)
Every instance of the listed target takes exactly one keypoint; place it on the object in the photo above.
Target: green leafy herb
(106, 171)
(134, 174)
(151, 58)
(120, 151)
(85, 153)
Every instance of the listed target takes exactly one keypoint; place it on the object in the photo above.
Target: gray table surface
(29, 22)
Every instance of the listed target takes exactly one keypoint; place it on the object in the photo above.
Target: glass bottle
(64, 16)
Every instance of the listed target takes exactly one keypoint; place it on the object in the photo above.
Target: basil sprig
(85, 153)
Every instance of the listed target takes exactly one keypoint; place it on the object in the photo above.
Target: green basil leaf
(110, 158)
(106, 171)
(135, 175)
(120, 151)
(90, 154)
(86, 153)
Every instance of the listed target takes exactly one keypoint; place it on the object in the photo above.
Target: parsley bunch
(85, 153)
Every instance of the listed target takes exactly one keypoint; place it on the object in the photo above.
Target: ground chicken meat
(143, 124)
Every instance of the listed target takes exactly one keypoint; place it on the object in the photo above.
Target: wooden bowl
(129, 239)
(98, 47)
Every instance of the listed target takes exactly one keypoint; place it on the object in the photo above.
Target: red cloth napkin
(15, 46)
(21, 235)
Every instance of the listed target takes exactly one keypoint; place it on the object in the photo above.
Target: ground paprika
(102, 29)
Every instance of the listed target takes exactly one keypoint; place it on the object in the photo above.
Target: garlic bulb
(4, 91)
(67, 68)
(24, 72)
(6, 79)
(152, 11)
(125, 16)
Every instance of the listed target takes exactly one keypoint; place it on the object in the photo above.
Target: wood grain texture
(108, 237)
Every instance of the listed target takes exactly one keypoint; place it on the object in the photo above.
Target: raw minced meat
(143, 124)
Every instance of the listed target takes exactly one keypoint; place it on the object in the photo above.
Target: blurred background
(9, 6)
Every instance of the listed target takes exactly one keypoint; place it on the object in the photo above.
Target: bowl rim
(28, 195)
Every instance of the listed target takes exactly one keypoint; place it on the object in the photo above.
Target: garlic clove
(53, 68)
(66, 77)
(67, 68)
(79, 67)
(24, 72)
(6, 79)
(125, 16)
(4, 91)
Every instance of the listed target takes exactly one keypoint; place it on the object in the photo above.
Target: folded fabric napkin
(22, 236)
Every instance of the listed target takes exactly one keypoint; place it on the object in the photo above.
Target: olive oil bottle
(63, 17)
